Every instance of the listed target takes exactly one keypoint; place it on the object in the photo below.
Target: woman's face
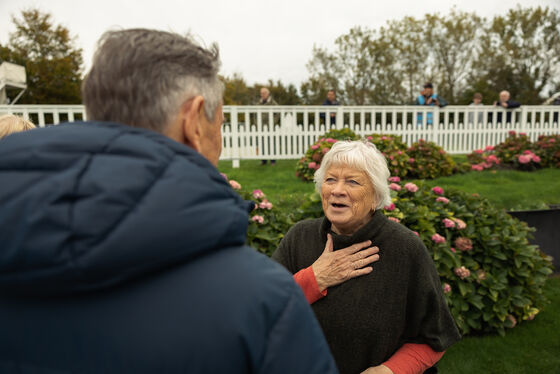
(348, 198)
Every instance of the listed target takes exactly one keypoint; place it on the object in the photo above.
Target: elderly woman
(389, 317)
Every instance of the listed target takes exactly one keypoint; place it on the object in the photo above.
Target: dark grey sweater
(366, 319)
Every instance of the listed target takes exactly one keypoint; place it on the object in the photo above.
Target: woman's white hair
(360, 155)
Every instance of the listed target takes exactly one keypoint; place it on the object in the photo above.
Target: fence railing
(286, 132)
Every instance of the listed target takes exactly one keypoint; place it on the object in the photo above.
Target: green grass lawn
(511, 190)
(532, 347)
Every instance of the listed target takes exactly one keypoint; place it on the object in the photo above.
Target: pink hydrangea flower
(511, 133)
(477, 167)
(399, 153)
(438, 239)
(461, 225)
(536, 158)
(394, 219)
(411, 187)
(395, 187)
(265, 205)
(512, 319)
(325, 150)
(522, 134)
(441, 199)
(493, 159)
(234, 185)
(552, 140)
(312, 165)
(527, 152)
(478, 151)
(317, 166)
(438, 190)
(258, 219)
(411, 160)
(391, 157)
(462, 272)
(463, 244)
(369, 138)
(394, 179)
(489, 148)
(524, 159)
(315, 146)
(448, 223)
(383, 137)
(390, 207)
(446, 288)
(453, 250)
(331, 140)
(257, 194)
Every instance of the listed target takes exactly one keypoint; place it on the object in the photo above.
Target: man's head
(428, 89)
(160, 81)
(265, 93)
(331, 95)
(504, 96)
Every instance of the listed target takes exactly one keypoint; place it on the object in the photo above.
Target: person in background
(429, 98)
(388, 316)
(504, 102)
(266, 99)
(477, 101)
(330, 100)
(122, 246)
(10, 123)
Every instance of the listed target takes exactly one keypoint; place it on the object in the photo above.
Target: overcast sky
(258, 39)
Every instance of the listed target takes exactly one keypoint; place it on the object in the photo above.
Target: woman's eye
(329, 180)
(352, 181)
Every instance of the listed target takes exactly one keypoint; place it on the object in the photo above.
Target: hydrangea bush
(311, 161)
(428, 161)
(267, 224)
(422, 160)
(492, 278)
(518, 152)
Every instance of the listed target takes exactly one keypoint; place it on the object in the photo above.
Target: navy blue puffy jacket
(122, 251)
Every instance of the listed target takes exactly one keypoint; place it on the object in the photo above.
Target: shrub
(395, 150)
(267, 224)
(492, 278)
(518, 152)
(428, 160)
(312, 160)
(548, 148)
(512, 147)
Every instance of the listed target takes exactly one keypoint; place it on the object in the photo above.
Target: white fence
(286, 132)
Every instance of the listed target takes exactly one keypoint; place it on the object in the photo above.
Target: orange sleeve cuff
(306, 280)
(413, 359)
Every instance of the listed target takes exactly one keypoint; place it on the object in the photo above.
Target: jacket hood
(86, 206)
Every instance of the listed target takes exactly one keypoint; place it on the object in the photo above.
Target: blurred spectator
(506, 103)
(11, 123)
(428, 97)
(330, 100)
(477, 101)
(266, 99)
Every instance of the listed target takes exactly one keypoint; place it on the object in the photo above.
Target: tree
(520, 53)
(52, 63)
(452, 40)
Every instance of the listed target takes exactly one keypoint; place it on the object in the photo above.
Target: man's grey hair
(361, 155)
(141, 77)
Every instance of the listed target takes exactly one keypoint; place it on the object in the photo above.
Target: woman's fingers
(356, 247)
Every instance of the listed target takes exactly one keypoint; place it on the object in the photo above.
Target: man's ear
(190, 122)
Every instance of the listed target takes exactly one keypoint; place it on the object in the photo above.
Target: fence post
(234, 137)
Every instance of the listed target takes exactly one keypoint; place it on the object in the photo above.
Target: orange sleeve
(413, 359)
(306, 280)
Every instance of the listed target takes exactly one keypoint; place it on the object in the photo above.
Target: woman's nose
(338, 188)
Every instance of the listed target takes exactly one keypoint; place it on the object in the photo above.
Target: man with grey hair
(123, 246)
(504, 102)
